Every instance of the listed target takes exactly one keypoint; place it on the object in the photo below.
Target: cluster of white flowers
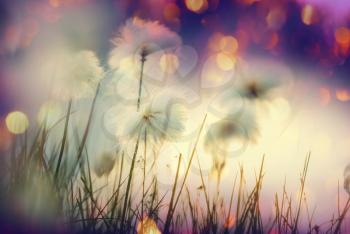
(78, 75)
(253, 86)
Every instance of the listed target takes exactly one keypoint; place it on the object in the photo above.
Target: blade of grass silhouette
(342, 216)
(226, 231)
(241, 181)
(302, 183)
(86, 131)
(129, 184)
(204, 190)
(114, 206)
(87, 128)
(41, 149)
(64, 138)
(172, 209)
(144, 176)
(168, 217)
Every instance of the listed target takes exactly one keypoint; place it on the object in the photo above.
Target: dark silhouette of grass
(81, 207)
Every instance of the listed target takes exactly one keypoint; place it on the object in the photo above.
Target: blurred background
(309, 39)
(310, 34)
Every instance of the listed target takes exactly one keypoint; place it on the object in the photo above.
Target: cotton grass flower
(141, 38)
(137, 40)
(76, 75)
(240, 127)
(157, 121)
(258, 80)
(257, 89)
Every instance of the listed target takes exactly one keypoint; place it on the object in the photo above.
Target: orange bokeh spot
(171, 11)
(308, 15)
(221, 43)
(342, 95)
(197, 6)
(342, 36)
(230, 221)
(55, 3)
(247, 2)
(273, 42)
(228, 44)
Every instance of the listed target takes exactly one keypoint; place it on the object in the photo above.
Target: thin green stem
(64, 139)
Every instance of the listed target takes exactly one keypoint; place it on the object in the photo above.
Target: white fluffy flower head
(76, 75)
(140, 38)
(157, 122)
(241, 126)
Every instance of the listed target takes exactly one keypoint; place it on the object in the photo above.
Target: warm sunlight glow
(230, 221)
(147, 226)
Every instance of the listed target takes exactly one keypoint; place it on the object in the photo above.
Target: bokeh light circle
(17, 122)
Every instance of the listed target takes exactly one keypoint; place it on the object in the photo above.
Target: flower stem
(143, 60)
(129, 184)
(87, 128)
(173, 207)
(63, 139)
(144, 176)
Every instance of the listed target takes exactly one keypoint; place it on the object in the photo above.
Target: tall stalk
(129, 184)
(302, 187)
(64, 139)
(143, 60)
(172, 209)
(144, 174)
(87, 128)
(169, 215)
